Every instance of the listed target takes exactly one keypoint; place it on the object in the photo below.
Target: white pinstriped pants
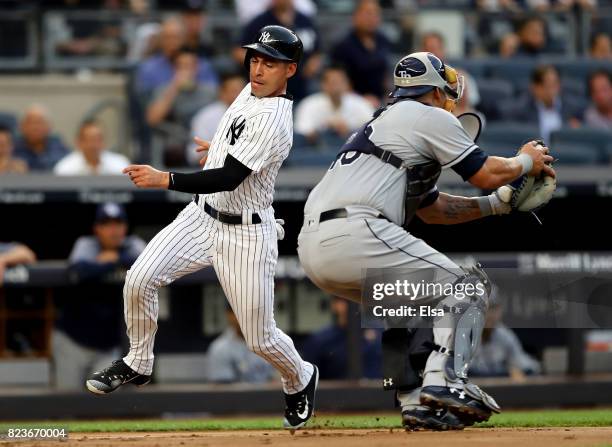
(244, 258)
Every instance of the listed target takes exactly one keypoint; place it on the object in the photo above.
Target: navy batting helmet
(276, 42)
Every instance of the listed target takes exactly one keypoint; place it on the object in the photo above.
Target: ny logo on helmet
(265, 37)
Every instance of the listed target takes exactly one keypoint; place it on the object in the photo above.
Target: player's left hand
(145, 176)
(280, 230)
(203, 146)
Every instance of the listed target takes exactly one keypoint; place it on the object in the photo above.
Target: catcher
(384, 175)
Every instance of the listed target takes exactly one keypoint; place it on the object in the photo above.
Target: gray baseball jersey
(412, 131)
(335, 252)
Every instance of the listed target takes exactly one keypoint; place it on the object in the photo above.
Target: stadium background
(78, 60)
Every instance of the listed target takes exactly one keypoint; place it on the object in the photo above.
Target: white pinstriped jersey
(258, 132)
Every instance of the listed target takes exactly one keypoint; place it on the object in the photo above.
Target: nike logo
(303, 414)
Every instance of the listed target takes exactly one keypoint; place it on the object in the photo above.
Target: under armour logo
(265, 37)
(235, 129)
(388, 382)
(461, 393)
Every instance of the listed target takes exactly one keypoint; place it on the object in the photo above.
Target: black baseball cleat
(299, 407)
(430, 419)
(457, 401)
(111, 378)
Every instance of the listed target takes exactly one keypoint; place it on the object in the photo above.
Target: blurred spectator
(194, 19)
(545, 105)
(601, 47)
(599, 113)
(247, 10)
(229, 360)
(532, 37)
(205, 122)
(80, 347)
(174, 105)
(37, 146)
(364, 52)
(508, 45)
(109, 248)
(501, 353)
(283, 12)
(9, 164)
(498, 5)
(160, 70)
(12, 254)
(334, 110)
(100, 36)
(91, 158)
(328, 347)
(433, 43)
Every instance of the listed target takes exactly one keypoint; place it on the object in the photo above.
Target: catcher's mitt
(528, 193)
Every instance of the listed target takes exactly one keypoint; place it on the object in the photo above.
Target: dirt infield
(497, 437)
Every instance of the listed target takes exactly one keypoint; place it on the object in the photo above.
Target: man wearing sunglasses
(355, 220)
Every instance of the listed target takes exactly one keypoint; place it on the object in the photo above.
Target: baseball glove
(528, 193)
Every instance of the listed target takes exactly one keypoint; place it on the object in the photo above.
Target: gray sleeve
(84, 249)
(518, 358)
(219, 362)
(7, 246)
(135, 246)
(444, 139)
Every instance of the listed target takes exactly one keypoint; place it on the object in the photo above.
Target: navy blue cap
(110, 211)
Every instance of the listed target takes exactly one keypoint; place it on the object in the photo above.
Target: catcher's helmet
(419, 73)
(276, 42)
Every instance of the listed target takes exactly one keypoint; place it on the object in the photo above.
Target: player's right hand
(541, 158)
(203, 146)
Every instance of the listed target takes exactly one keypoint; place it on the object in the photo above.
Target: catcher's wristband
(526, 162)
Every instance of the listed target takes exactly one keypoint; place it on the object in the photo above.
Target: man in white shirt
(205, 122)
(335, 109)
(91, 158)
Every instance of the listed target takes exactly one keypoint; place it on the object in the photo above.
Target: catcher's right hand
(539, 153)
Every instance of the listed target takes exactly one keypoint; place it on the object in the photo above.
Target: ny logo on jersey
(265, 37)
(235, 129)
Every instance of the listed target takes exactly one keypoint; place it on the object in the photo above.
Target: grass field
(510, 419)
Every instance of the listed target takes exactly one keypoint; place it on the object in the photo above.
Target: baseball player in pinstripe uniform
(384, 175)
(230, 225)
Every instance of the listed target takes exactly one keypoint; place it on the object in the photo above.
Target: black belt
(339, 213)
(232, 219)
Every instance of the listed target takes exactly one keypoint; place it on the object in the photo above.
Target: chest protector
(421, 178)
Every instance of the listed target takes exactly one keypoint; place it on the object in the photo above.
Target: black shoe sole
(293, 428)
(413, 423)
(94, 390)
(462, 411)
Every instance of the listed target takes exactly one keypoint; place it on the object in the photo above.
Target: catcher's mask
(419, 73)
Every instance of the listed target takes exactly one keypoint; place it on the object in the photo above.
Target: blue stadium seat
(505, 139)
(576, 141)
(493, 92)
(572, 153)
(309, 157)
(9, 121)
